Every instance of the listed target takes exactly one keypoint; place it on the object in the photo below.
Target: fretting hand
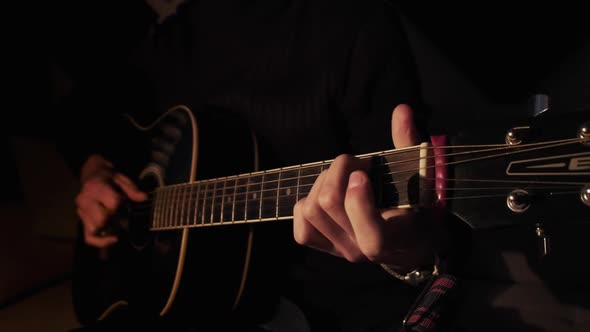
(339, 216)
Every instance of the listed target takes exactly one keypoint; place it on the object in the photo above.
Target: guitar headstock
(535, 172)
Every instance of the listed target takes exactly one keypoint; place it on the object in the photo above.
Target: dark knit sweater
(313, 79)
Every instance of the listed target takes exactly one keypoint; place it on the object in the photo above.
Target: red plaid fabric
(427, 314)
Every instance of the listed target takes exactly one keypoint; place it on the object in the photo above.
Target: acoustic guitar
(190, 250)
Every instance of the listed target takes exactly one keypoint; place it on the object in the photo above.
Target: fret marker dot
(288, 191)
(254, 196)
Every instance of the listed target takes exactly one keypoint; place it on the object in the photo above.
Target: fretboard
(397, 177)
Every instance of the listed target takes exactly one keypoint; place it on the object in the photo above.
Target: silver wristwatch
(414, 278)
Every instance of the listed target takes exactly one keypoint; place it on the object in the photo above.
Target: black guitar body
(208, 275)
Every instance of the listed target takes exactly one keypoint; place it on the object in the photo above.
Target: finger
(129, 188)
(364, 218)
(97, 190)
(331, 195)
(314, 214)
(95, 214)
(89, 224)
(90, 230)
(403, 127)
(307, 235)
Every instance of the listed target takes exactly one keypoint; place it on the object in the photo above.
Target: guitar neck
(400, 178)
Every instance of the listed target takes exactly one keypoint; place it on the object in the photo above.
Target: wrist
(415, 276)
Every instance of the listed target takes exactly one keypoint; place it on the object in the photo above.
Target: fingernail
(356, 179)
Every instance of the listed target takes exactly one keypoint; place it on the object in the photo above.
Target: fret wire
(260, 197)
(164, 211)
(233, 207)
(197, 203)
(168, 206)
(246, 199)
(190, 201)
(174, 205)
(156, 215)
(175, 199)
(182, 206)
(162, 206)
(297, 186)
(213, 201)
(278, 192)
(204, 203)
(178, 205)
(173, 208)
(223, 199)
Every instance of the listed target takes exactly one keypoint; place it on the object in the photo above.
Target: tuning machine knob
(584, 133)
(518, 200)
(585, 194)
(540, 105)
(543, 240)
(515, 135)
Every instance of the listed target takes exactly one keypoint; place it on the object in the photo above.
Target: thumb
(403, 128)
(129, 188)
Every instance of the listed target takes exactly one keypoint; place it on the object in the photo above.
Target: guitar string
(214, 211)
(249, 185)
(496, 147)
(262, 217)
(486, 157)
(218, 180)
(454, 198)
(220, 199)
(272, 209)
(275, 200)
(277, 207)
(304, 187)
(265, 209)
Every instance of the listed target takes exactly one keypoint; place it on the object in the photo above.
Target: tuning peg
(518, 200)
(585, 194)
(543, 240)
(540, 104)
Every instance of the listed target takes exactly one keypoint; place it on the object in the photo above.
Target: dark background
(476, 59)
